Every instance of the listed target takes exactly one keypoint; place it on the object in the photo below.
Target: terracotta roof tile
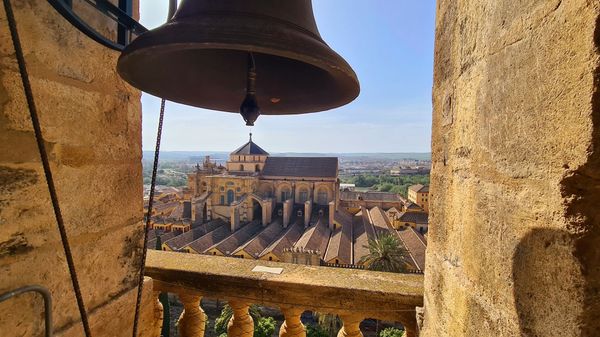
(286, 240)
(340, 244)
(184, 239)
(416, 217)
(264, 238)
(381, 223)
(362, 233)
(315, 237)
(419, 188)
(416, 245)
(237, 238)
(209, 239)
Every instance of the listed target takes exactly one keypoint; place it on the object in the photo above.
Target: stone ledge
(373, 294)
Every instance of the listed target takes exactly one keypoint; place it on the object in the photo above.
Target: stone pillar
(241, 323)
(158, 315)
(268, 210)
(192, 321)
(287, 212)
(515, 170)
(351, 327)
(292, 326)
(209, 209)
(331, 214)
(307, 212)
(234, 219)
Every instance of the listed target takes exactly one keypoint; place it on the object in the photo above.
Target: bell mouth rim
(293, 45)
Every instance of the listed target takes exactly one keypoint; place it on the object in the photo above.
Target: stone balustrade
(352, 294)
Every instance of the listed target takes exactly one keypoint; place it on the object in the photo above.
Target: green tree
(265, 327)
(385, 254)
(316, 331)
(223, 319)
(391, 332)
(386, 187)
(330, 324)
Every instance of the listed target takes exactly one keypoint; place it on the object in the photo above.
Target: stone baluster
(351, 327)
(158, 315)
(292, 326)
(241, 323)
(192, 321)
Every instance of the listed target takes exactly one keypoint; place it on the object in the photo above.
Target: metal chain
(148, 216)
(45, 163)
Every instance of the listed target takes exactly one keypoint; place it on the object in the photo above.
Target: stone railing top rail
(374, 294)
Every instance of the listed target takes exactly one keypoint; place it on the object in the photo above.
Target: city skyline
(389, 45)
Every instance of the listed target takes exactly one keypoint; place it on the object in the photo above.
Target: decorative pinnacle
(250, 136)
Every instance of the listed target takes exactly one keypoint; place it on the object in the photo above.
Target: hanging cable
(138, 301)
(140, 288)
(12, 25)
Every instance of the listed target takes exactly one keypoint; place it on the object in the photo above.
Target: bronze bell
(201, 58)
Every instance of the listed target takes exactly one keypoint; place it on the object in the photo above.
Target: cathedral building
(254, 185)
(287, 209)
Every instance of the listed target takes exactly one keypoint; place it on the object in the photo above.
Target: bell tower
(247, 159)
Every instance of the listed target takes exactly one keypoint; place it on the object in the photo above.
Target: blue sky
(389, 44)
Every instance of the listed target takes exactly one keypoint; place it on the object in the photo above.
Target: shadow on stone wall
(581, 189)
(545, 276)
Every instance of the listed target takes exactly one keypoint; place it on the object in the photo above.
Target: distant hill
(223, 155)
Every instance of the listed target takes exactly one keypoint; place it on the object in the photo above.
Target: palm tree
(385, 254)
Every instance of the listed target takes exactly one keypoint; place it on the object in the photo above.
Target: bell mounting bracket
(126, 26)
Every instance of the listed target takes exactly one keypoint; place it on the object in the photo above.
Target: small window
(222, 188)
(241, 167)
(337, 261)
(222, 200)
(214, 253)
(270, 258)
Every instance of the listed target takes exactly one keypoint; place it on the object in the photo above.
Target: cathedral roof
(315, 167)
(250, 148)
(416, 244)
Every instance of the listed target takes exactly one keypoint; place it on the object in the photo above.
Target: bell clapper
(249, 108)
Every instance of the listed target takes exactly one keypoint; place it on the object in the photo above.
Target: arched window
(241, 167)
(285, 194)
(230, 197)
(303, 195)
(256, 168)
(322, 198)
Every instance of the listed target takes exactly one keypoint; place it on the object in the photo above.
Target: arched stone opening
(284, 192)
(257, 210)
(323, 195)
(230, 197)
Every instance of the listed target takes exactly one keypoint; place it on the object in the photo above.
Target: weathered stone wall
(515, 215)
(91, 121)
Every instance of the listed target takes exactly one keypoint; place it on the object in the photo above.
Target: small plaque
(270, 270)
